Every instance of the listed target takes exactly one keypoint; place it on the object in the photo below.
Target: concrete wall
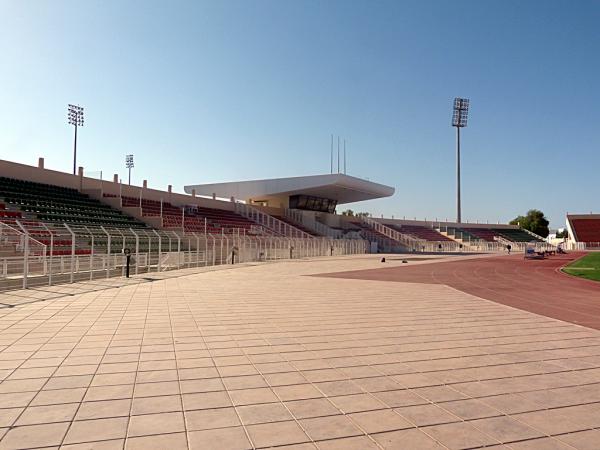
(332, 220)
(32, 173)
(272, 202)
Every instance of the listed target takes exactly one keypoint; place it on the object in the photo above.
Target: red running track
(537, 286)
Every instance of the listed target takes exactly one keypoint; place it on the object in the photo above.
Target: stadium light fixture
(129, 165)
(460, 114)
(75, 116)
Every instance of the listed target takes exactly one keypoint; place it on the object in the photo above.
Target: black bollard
(127, 252)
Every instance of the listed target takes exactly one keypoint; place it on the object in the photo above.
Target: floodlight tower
(75, 116)
(459, 120)
(129, 165)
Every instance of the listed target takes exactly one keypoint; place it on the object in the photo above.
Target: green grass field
(586, 267)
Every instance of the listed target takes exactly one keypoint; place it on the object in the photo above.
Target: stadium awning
(339, 187)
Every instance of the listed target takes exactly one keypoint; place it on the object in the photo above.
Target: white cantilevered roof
(337, 186)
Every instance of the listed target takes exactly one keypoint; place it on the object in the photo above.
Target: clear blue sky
(228, 90)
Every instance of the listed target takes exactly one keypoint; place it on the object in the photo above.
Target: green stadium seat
(56, 204)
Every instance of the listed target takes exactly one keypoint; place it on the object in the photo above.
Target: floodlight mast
(459, 120)
(75, 115)
(129, 165)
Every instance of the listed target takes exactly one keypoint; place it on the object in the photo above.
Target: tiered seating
(222, 219)
(586, 230)
(152, 207)
(4, 213)
(295, 224)
(55, 204)
(491, 234)
(516, 235)
(366, 230)
(419, 232)
(485, 234)
(460, 233)
(217, 220)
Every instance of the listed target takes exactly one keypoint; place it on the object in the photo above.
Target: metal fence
(390, 239)
(15, 248)
(582, 245)
(44, 255)
(474, 244)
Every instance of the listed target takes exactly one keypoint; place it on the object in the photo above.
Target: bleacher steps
(269, 222)
(403, 240)
(465, 243)
(312, 224)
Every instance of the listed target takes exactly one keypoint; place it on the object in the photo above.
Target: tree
(351, 213)
(534, 221)
(562, 234)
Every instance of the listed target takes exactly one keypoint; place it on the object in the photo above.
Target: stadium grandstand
(309, 203)
(58, 227)
(583, 231)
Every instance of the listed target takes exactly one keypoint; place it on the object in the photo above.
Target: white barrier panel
(66, 254)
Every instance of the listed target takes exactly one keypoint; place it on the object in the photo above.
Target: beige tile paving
(263, 413)
(48, 414)
(265, 355)
(160, 423)
(32, 436)
(234, 438)
(173, 441)
(206, 419)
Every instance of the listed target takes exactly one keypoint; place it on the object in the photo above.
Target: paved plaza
(266, 355)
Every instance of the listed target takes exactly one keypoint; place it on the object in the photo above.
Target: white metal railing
(464, 238)
(469, 242)
(537, 236)
(259, 230)
(310, 222)
(19, 245)
(469, 245)
(78, 253)
(325, 230)
(522, 246)
(499, 244)
(295, 215)
(405, 240)
(278, 226)
(502, 240)
(582, 245)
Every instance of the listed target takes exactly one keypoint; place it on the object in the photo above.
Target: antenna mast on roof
(338, 155)
(344, 156)
(331, 171)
